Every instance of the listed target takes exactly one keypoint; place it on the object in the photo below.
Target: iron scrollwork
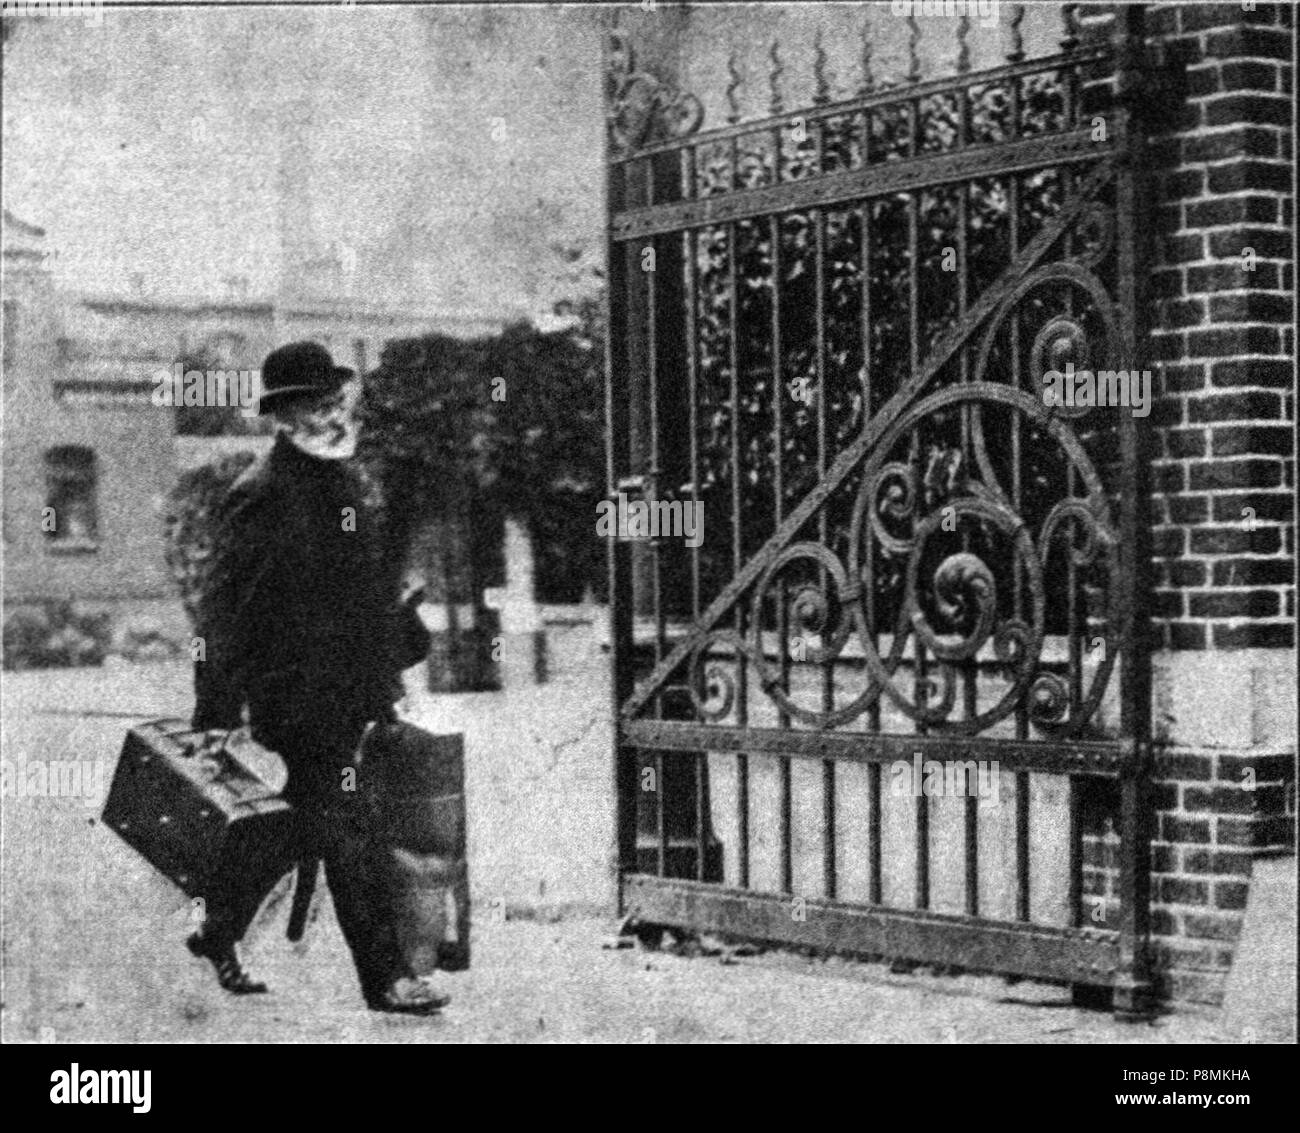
(642, 108)
(953, 607)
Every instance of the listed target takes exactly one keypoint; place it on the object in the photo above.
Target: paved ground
(92, 941)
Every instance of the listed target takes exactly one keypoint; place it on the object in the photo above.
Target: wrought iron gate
(829, 328)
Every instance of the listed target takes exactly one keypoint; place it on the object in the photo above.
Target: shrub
(55, 635)
(190, 520)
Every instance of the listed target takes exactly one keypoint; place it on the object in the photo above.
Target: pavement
(92, 950)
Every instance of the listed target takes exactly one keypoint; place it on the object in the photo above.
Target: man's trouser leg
(360, 887)
(237, 891)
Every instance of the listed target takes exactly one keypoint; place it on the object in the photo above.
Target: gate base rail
(1059, 955)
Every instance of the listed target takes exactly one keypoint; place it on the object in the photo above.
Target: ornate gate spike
(868, 80)
(913, 39)
(641, 107)
(963, 43)
(823, 92)
(774, 78)
(1017, 52)
(733, 102)
(1070, 17)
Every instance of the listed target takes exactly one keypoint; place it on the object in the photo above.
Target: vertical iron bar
(652, 493)
(1074, 644)
(823, 527)
(874, 825)
(654, 469)
(1022, 714)
(778, 442)
(619, 557)
(737, 550)
(920, 685)
(1132, 984)
(971, 671)
(689, 301)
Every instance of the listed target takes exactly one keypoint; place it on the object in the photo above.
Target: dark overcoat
(300, 619)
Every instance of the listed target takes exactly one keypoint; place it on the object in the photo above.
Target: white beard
(323, 446)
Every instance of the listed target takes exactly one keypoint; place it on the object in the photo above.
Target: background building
(88, 457)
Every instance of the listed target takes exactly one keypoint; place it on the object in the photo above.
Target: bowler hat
(297, 369)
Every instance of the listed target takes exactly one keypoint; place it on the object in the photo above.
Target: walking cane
(303, 888)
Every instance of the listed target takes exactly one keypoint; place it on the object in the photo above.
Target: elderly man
(303, 627)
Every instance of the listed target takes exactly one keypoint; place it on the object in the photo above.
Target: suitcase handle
(224, 765)
(172, 733)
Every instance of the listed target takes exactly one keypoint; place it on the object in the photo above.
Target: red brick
(1231, 276)
(1166, 284)
(1181, 891)
(1278, 507)
(1200, 17)
(1163, 922)
(1206, 927)
(1223, 144)
(1231, 862)
(1276, 768)
(1249, 75)
(1272, 372)
(1187, 509)
(1260, 42)
(1183, 765)
(1183, 312)
(1178, 828)
(1238, 176)
(1251, 306)
(1229, 341)
(1236, 540)
(1229, 211)
(1169, 479)
(1267, 244)
(1191, 573)
(1166, 603)
(1256, 109)
(1183, 183)
(1202, 80)
(1210, 475)
(1260, 635)
(1230, 894)
(1184, 249)
(1252, 440)
(1244, 406)
(1167, 541)
(1234, 604)
(1253, 572)
(1163, 857)
(1179, 379)
(1186, 637)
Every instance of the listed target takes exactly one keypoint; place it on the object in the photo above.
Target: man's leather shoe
(230, 972)
(409, 997)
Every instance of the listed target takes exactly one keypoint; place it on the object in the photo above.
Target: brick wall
(1220, 315)
(1222, 335)
(1222, 286)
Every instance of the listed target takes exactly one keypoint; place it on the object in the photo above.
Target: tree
(212, 420)
(510, 424)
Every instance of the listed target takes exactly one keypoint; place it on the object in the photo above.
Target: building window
(70, 519)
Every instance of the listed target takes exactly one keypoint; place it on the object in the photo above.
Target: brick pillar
(1222, 347)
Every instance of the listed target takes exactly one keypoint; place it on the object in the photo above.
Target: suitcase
(415, 782)
(187, 808)
(430, 910)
